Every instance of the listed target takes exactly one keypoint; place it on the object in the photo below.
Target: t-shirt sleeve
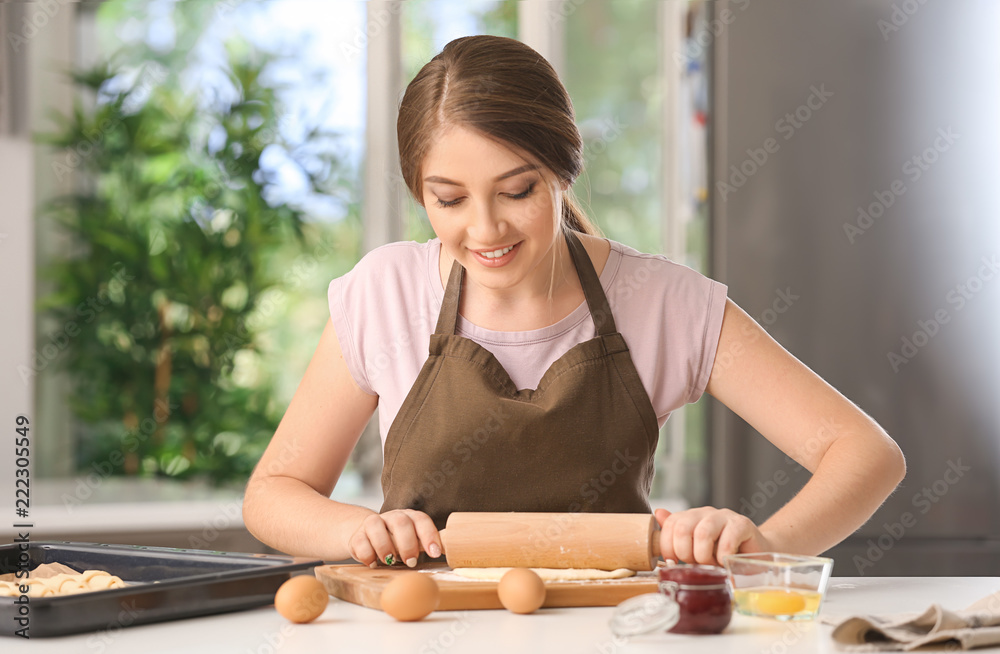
(346, 297)
(715, 307)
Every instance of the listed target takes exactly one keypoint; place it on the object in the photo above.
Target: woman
(554, 354)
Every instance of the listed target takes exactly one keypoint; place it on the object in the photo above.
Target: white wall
(33, 68)
(17, 289)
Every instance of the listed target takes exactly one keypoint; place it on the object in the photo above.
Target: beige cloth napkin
(976, 626)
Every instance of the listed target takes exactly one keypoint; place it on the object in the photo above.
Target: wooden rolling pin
(605, 541)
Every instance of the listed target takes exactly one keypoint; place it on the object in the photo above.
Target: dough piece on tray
(548, 574)
(63, 584)
(41, 571)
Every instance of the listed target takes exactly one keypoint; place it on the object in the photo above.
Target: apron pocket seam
(406, 433)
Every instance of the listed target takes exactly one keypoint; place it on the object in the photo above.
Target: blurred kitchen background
(181, 180)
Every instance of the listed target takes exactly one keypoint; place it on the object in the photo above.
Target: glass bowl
(778, 586)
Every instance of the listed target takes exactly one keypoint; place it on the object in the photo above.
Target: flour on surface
(547, 574)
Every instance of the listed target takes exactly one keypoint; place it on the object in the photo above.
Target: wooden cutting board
(361, 585)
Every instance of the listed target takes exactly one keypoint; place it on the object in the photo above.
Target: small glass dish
(692, 599)
(778, 586)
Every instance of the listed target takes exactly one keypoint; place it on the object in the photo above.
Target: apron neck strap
(597, 301)
(449, 306)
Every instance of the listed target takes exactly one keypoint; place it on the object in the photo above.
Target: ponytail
(574, 217)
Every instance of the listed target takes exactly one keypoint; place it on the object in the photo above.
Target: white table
(346, 628)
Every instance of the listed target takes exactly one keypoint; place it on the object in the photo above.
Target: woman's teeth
(496, 253)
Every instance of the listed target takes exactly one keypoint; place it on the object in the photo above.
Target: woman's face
(493, 209)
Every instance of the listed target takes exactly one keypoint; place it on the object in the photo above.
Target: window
(311, 72)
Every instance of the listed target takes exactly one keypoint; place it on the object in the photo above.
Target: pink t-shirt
(386, 308)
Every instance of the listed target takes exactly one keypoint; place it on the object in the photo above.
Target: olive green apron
(466, 439)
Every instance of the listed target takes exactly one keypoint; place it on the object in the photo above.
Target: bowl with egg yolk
(778, 586)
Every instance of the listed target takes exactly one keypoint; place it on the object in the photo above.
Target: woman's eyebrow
(509, 173)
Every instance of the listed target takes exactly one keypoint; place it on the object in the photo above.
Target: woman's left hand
(707, 535)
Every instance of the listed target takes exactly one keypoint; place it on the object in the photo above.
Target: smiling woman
(546, 366)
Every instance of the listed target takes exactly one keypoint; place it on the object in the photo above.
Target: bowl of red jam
(703, 595)
(693, 599)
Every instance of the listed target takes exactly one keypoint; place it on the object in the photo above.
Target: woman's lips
(497, 262)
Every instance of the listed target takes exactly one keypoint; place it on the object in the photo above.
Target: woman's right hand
(403, 533)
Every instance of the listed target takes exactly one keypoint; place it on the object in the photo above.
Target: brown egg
(301, 599)
(410, 596)
(521, 590)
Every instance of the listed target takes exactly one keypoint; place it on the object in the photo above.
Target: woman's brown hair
(504, 90)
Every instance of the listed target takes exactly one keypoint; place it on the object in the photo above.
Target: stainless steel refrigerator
(855, 172)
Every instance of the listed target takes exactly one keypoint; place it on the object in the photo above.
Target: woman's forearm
(855, 475)
(292, 517)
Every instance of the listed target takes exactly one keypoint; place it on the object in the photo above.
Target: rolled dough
(548, 574)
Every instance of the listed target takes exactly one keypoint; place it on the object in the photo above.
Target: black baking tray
(163, 583)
